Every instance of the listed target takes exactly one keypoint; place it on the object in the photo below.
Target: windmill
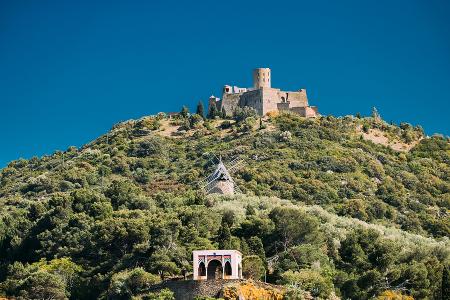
(220, 181)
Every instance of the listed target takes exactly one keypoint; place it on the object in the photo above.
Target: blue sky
(69, 70)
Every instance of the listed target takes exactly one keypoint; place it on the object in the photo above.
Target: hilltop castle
(263, 98)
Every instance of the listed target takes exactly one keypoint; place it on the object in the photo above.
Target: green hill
(352, 207)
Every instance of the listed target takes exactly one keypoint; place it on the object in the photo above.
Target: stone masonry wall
(230, 102)
(189, 289)
(252, 99)
(297, 99)
(265, 100)
(229, 289)
(270, 99)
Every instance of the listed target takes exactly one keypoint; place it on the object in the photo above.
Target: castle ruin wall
(297, 99)
(252, 99)
(271, 98)
(230, 102)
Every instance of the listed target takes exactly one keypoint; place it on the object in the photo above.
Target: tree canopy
(323, 210)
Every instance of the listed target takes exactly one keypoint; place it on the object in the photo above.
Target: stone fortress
(263, 98)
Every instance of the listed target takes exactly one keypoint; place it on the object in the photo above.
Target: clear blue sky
(69, 70)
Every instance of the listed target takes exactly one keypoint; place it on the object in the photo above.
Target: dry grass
(377, 136)
(168, 130)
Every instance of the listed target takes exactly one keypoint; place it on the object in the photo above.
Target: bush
(195, 121)
(130, 282)
(393, 295)
(149, 146)
(141, 175)
(152, 123)
(241, 114)
(308, 280)
(247, 125)
(253, 267)
(164, 294)
(225, 124)
(365, 128)
(121, 193)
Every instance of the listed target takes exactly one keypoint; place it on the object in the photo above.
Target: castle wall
(283, 106)
(190, 289)
(271, 98)
(265, 100)
(230, 102)
(308, 111)
(252, 99)
(297, 99)
(193, 289)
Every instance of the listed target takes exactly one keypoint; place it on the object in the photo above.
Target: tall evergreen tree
(256, 247)
(212, 113)
(224, 235)
(244, 247)
(200, 109)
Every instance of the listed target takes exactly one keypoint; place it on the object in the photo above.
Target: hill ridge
(332, 207)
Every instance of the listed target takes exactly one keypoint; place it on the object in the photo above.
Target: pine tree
(244, 247)
(256, 247)
(224, 236)
(200, 109)
(212, 113)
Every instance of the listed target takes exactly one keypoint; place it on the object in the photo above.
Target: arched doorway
(228, 271)
(201, 269)
(215, 270)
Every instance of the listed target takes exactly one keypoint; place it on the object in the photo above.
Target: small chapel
(217, 264)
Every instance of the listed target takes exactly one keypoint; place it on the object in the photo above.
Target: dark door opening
(215, 270)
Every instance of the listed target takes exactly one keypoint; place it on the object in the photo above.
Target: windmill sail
(220, 181)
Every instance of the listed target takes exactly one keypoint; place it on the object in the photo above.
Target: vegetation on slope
(125, 211)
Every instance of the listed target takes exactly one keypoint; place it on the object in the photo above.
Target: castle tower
(261, 78)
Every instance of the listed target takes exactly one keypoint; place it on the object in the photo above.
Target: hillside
(327, 208)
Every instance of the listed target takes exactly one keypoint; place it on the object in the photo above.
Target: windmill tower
(220, 181)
